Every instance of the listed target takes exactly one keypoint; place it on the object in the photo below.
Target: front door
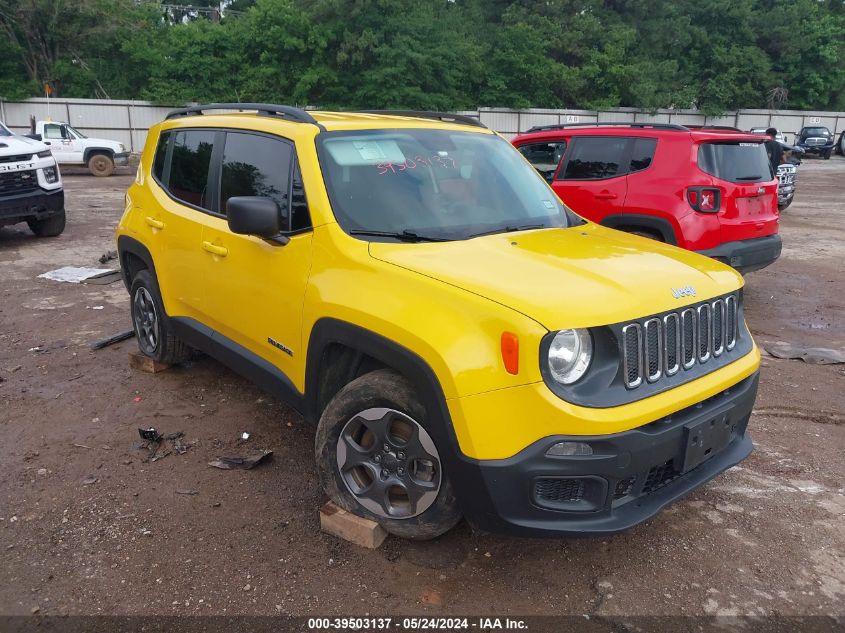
(254, 288)
(591, 179)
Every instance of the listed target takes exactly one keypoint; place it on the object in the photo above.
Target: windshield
(433, 185)
(816, 131)
(77, 132)
(4, 131)
(737, 162)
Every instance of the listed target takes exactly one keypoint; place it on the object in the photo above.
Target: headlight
(569, 355)
(45, 154)
(122, 148)
(51, 174)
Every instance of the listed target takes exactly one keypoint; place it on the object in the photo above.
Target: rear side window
(642, 153)
(255, 165)
(544, 156)
(189, 164)
(735, 162)
(596, 158)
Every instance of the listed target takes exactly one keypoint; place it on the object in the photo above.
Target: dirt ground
(87, 527)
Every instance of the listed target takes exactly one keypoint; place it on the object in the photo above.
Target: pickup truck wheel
(101, 165)
(48, 227)
(377, 460)
(152, 328)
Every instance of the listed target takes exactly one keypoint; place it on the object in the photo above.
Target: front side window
(188, 180)
(255, 165)
(736, 162)
(544, 156)
(596, 158)
(160, 156)
(412, 184)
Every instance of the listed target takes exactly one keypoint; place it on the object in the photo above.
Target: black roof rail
(643, 124)
(264, 109)
(446, 117)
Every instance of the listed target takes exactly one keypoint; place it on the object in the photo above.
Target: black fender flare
(463, 473)
(86, 156)
(635, 220)
(129, 245)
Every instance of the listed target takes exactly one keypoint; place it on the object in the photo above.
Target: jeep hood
(576, 277)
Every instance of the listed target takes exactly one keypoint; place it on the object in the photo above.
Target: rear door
(591, 179)
(749, 191)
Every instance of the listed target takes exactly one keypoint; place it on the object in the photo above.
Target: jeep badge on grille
(686, 291)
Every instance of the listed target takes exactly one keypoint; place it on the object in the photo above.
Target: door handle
(605, 195)
(214, 249)
(156, 224)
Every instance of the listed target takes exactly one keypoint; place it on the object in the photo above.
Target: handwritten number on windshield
(445, 162)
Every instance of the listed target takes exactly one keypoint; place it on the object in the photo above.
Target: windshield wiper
(405, 236)
(750, 178)
(509, 229)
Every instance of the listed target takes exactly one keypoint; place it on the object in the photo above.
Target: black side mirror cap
(255, 215)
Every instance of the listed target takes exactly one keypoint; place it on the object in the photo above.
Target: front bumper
(121, 159)
(818, 149)
(630, 477)
(35, 205)
(748, 255)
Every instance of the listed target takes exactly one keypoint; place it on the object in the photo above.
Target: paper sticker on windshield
(749, 144)
(548, 204)
(357, 153)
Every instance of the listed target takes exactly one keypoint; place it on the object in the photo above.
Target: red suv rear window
(735, 161)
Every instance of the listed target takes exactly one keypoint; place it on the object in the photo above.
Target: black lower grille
(624, 487)
(16, 182)
(559, 490)
(659, 476)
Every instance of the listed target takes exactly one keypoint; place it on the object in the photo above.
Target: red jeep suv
(706, 189)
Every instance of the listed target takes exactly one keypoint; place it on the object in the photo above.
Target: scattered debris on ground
(228, 462)
(812, 355)
(111, 340)
(73, 274)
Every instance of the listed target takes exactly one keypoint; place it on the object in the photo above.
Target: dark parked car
(815, 140)
(840, 146)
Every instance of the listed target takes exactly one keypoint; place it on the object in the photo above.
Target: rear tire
(101, 165)
(785, 205)
(153, 330)
(49, 227)
(376, 459)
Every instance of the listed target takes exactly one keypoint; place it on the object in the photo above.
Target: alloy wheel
(389, 463)
(146, 320)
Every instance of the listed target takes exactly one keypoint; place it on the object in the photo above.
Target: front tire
(101, 165)
(153, 331)
(377, 460)
(49, 227)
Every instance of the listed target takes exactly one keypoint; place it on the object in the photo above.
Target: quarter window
(256, 165)
(188, 180)
(642, 153)
(595, 158)
(161, 155)
(544, 156)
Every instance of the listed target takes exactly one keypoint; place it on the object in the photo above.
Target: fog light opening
(568, 449)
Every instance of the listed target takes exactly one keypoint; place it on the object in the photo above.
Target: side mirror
(254, 215)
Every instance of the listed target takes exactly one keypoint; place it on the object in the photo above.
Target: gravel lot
(766, 538)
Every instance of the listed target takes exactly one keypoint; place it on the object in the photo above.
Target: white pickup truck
(30, 185)
(72, 147)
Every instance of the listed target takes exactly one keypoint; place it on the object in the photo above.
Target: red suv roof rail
(657, 126)
(718, 128)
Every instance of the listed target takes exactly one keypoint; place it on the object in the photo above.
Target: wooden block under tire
(138, 361)
(350, 527)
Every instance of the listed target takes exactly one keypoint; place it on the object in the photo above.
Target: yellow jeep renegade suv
(465, 344)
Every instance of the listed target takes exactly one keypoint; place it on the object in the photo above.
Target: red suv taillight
(704, 199)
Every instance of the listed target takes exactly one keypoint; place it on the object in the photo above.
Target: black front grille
(559, 490)
(17, 158)
(17, 182)
(658, 476)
